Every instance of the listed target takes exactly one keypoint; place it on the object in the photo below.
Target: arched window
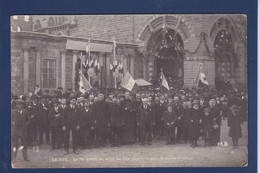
(19, 29)
(15, 17)
(224, 36)
(51, 21)
(37, 25)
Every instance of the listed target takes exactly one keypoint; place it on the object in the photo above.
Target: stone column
(25, 69)
(125, 64)
(63, 69)
(38, 67)
(132, 68)
(145, 67)
(74, 61)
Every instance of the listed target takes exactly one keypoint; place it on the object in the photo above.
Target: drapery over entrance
(94, 47)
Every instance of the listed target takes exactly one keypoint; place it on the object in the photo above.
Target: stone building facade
(218, 42)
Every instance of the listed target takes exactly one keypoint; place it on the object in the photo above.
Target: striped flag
(128, 82)
(200, 79)
(84, 84)
(164, 82)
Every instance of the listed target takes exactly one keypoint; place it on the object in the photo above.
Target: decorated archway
(166, 46)
(163, 38)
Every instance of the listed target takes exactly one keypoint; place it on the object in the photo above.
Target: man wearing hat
(32, 126)
(215, 114)
(43, 120)
(235, 119)
(101, 117)
(130, 119)
(70, 123)
(55, 125)
(178, 110)
(157, 111)
(19, 124)
(169, 118)
(137, 103)
(145, 121)
(194, 120)
(117, 121)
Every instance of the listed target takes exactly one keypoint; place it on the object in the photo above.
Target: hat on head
(196, 101)
(73, 97)
(55, 100)
(81, 99)
(19, 102)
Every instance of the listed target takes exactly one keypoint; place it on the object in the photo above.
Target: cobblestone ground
(156, 155)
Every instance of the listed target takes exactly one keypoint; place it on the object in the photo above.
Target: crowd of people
(117, 117)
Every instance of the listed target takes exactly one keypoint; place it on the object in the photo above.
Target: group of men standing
(96, 120)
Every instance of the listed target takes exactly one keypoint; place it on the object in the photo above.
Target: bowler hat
(19, 102)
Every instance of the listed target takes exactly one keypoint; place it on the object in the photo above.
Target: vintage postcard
(136, 90)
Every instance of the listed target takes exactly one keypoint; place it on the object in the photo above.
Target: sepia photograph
(129, 90)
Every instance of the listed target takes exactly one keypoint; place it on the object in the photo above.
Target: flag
(128, 81)
(200, 79)
(84, 84)
(164, 82)
(91, 62)
(111, 67)
(95, 64)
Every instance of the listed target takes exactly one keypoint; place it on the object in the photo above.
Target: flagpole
(115, 83)
(89, 79)
(114, 42)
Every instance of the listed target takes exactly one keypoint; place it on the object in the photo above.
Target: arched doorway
(166, 46)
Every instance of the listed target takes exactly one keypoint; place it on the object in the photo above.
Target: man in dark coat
(145, 122)
(137, 103)
(55, 116)
(235, 120)
(63, 107)
(32, 126)
(70, 123)
(117, 121)
(101, 117)
(86, 122)
(169, 118)
(215, 114)
(178, 110)
(43, 120)
(207, 127)
(194, 120)
(187, 107)
(157, 111)
(130, 119)
(19, 124)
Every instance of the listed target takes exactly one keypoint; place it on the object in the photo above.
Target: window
(26, 18)
(19, 29)
(15, 17)
(12, 28)
(49, 73)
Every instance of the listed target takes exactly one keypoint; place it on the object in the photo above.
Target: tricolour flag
(128, 82)
(84, 84)
(200, 79)
(164, 82)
